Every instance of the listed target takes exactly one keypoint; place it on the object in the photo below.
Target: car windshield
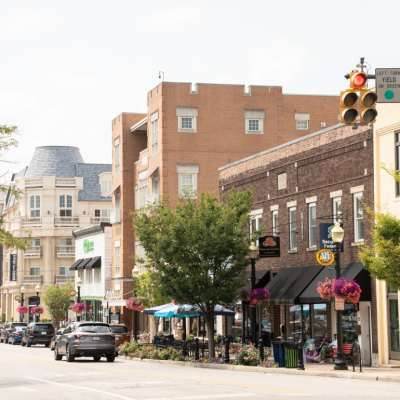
(119, 329)
(43, 327)
(94, 328)
(18, 325)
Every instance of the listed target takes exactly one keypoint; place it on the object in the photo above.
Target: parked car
(53, 339)
(86, 339)
(5, 330)
(121, 334)
(37, 333)
(15, 335)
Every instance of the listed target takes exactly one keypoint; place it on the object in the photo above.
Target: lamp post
(135, 322)
(78, 285)
(22, 301)
(253, 254)
(37, 288)
(340, 362)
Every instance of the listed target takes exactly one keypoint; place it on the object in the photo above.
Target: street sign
(387, 83)
(325, 257)
(22, 316)
(17, 297)
(325, 236)
(72, 293)
(339, 304)
(269, 246)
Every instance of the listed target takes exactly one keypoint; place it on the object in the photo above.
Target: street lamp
(22, 300)
(78, 283)
(340, 362)
(37, 288)
(253, 254)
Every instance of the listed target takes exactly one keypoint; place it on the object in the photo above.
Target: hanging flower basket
(254, 297)
(78, 308)
(22, 310)
(325, 289)
(347, 289)
(134, 304)
(37, 310)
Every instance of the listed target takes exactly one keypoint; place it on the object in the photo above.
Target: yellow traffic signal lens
(368, 115)
(349, 98)
(368, 99)
(349, 115)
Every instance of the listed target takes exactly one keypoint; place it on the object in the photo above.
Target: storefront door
(394, 332)
(365, 339)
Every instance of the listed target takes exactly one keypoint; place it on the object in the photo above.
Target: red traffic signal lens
(359, 80)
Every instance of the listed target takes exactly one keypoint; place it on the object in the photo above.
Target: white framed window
(154, 137)
(255, 225)
(65, 241)
(117, 257)
(143, 192)
(65, 206)
(89, 275)
(254, 121)
(136, 197)
(292, 222)
(34, 206)
(302, 125)
(187, 181)
(105, 213)
(186, 123)
(155, 186)
(358, 217)
(34, 271)
(254, 125)
(116, 155)
(187, 175)
(187, 118)
(275, 222)
(34, 242)
(312, 224)
(337, 209)
(117, 201)
(65, 271)
(97, 275)
(97, 213)
(106, 187)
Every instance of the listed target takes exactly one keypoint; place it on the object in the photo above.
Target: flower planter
(347, 289)
(254, 297)
(134, 304)
(78, 308)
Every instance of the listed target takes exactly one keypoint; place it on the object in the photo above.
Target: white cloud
(185, 14)
(23, 23)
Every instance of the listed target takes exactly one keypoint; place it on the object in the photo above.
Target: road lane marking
(85, 389)
(249, 385)
(214, 396)
(136, 383)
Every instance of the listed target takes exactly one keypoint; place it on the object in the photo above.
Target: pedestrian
(195, 327)
(328, 349)
(68, 323)
(179, 329)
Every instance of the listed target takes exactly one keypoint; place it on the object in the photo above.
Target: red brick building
(185, 136)
(318, 178)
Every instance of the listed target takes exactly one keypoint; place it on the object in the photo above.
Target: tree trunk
(210, 334)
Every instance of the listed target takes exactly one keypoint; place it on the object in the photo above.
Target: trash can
(279, 353)
(291, 354)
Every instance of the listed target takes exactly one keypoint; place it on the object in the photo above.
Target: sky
(69, 67)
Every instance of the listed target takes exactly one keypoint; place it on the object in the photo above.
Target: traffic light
(348, 111)
(358, 80)
(368, 111)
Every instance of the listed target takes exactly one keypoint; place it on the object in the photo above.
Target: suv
(121, 334)
(4, 332)
(86, 339)
(37, 333)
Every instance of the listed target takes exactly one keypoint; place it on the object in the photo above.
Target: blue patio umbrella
(190, 311)
(151, 311)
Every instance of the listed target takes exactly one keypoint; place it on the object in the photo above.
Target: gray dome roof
(58, 161)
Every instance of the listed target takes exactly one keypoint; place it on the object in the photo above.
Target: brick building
(323, 174)
(185, 136)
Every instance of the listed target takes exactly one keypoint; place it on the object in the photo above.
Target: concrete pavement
(33, 372)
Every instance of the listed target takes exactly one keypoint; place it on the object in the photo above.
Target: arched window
(65, 206)
(34, 206)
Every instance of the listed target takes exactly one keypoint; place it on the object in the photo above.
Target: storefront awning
(354, 270)
(95, 262)
(289, 283)
(262, 278)
(83, 263)
(74, 266)
(113, 303)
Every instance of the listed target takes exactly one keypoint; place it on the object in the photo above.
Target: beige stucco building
(59, 194)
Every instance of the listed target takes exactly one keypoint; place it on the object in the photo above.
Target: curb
(285, 371)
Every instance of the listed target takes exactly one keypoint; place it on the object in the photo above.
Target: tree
(57, 300)
(199, 249)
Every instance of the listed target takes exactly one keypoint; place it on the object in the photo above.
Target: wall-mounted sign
(17, 297)
(339, 304)
(112, 295)
(325, 237)
(88, 246)
(13, 267)
(325, 257)
(269, 246)
(72, 293)
(106, 312)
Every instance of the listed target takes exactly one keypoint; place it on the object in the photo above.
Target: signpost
(269, 246)
(387, 82)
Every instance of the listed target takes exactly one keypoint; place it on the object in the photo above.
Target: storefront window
(98, 311)
(294, 323)
(265, 319)
(237, 324)
(320, 326)
(349, 326)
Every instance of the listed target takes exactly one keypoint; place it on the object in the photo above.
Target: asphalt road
(32, 373)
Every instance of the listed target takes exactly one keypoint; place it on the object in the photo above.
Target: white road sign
(387, 83)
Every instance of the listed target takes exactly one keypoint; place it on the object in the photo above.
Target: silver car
(86, 339)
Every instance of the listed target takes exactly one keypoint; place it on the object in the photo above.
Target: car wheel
(96, 358)
(111, 358)
(23, 343)
(69, 356)
(57, 356)
(47, 345)
(28, 344)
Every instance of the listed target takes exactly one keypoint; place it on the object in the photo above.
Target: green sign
(87, 246)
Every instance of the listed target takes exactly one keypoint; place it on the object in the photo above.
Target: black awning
(74, 266)
(83, 264)
(262, 278)
(289, 283)
(354, 270)
(95, 262)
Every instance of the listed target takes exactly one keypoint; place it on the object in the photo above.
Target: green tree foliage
(57, 301)
(198, 249)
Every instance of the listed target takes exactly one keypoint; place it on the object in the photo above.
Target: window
(187, 117)
(143, 192)
(65, 241)
(302, 125)
(35, 242)
(117, 253)
(155, 186)
(398, 161)
(154, 137)
(65, 206)
(292, 221)
(337, 209)
(89, 275)
(97, 275)
(254, 124)
(34, 205)
(254, 121)
(117, 201)
(255, 225)
(312, 224)
(136, 197)
(186, 181)
(186, 123)
(116, 156)
(275, 223)
(102, 213)
(145, 159)
(106, 187)
(187, 175)
(358, 218)
(97, 213)
(65, 271)
(34, 271)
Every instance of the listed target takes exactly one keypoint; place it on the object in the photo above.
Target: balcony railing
(152, 198)
(115, 216)
(34, 182)
(36, 221)
(98, 220)
(65, 182)
(65, 251)
(66, 221)
(33, 252)
(33, 279)
(62, 279)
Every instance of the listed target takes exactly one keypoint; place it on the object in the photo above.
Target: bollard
(196, 349)
(226, 359)
(300, 365)
(261, 347)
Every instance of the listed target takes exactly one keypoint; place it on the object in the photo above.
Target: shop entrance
(394, 332)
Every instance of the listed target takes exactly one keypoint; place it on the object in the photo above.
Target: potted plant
(37, 310)
(22, 309)
(78, 308)
(347, 289)
(325, 289)
(255, 297)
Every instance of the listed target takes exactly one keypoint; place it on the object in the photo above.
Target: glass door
(394, 332)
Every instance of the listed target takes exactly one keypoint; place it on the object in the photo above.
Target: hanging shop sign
(88, 246)
(72, 293)
(325, 237)
(17, 297)
(13, 267)
(325, 257)
(269, 246)
(339, 304)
